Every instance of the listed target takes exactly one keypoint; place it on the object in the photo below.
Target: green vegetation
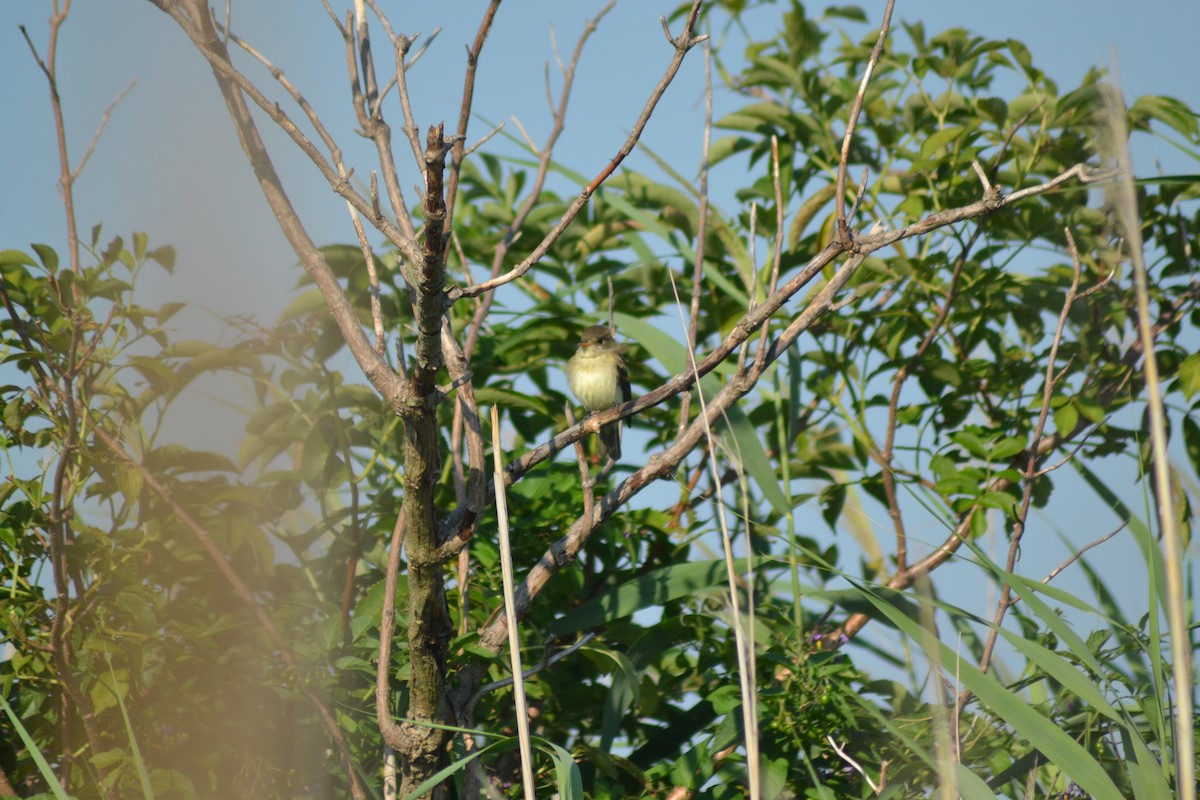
(182, 623)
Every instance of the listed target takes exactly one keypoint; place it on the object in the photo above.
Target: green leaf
(1191, 441)
(1002, 501)
(853, 13)
(31, 747)
(971, 785)
(1007, 448)
(939, 139)
(1189, 375)
(165, 256)
(747, 448)
(367, 610)
(995, 108)
(506, 398)
(109, 689)
(1064, 672)
(725, 698)
(15, 258)
(1066, 417)
(619, 698)
(136, 753)
(1173, 112)
(168, 310)
(129, 480)
(1021, 54)
(566, 771)
(48, 257)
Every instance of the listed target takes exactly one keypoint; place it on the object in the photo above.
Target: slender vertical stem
(510, 614)
(1181, 650)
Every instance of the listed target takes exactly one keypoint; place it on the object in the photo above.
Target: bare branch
(66, 179)
(701, 233)
(403, 43)
(852, 122)
(1073, 558)
(545, 154)
(683, 43)
(877, 788)
(1031, 470)
(365, 100)
(464, 112)
(484, 140)
(585, 481)
(87, 154)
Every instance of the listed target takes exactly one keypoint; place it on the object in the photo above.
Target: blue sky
(169, 163)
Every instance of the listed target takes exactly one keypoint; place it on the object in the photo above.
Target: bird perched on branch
(597, 376)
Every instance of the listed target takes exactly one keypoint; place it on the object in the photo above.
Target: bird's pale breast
(594, 380)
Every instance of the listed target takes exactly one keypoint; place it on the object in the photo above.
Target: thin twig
(1074, 450)
(464, 112)
(701, 232)
(372, 280)
(875, 787)
(49, 68)
(412, 61)
(1012, 601)
(858, 196)
(87, 154)
(410, 130)
(852, 122)
(484, 140)
(683, 43)
(549, 659)
(777, 250)
(585, 481)
(1031, 469)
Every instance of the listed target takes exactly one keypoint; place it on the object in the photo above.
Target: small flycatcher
(597, 376)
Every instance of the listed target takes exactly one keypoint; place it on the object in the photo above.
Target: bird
(598, 378)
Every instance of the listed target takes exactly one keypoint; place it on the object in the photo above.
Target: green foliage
(136, 669)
